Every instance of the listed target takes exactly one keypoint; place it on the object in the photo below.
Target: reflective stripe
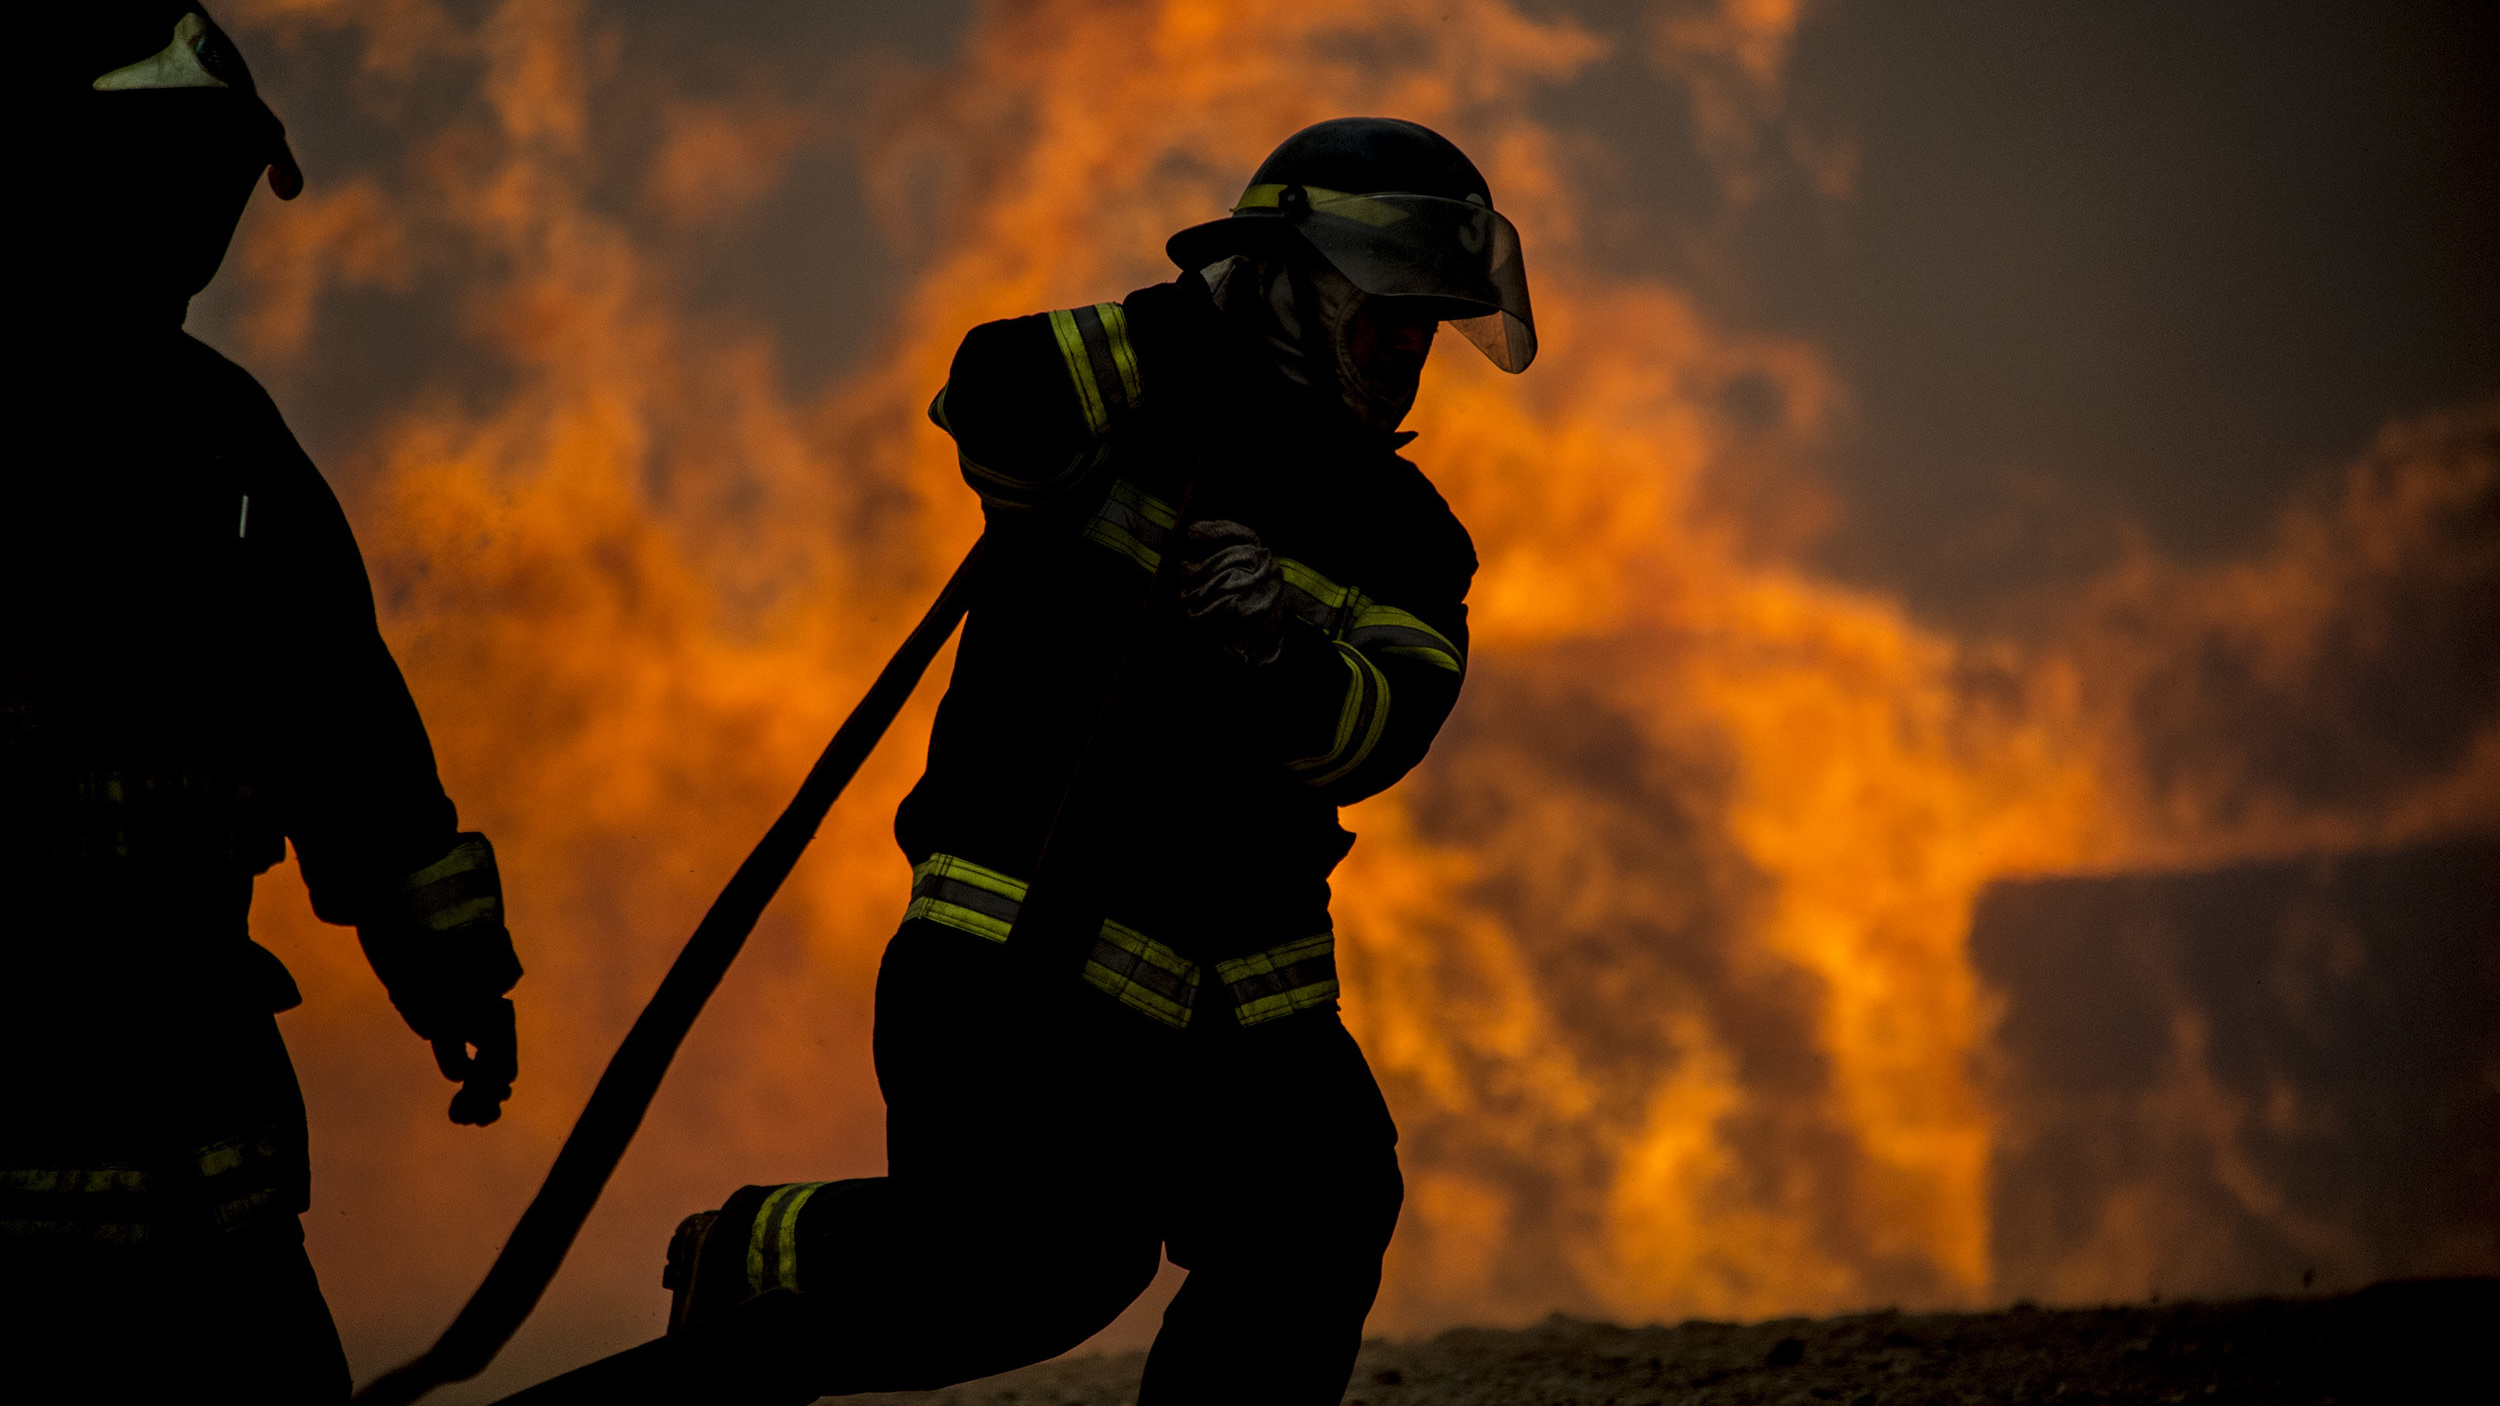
(460, 889)
(962, 895)
(1351, 206)
(1281, 980)
(73, 1181)
(773, 1237)
(1385, 629)
(101, 1206)
(235, 1181)
(1141, 973)
(1361, 722)
(1134, 524)
(1094, 343)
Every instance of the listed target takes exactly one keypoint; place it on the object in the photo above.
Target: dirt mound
(2414, 1341)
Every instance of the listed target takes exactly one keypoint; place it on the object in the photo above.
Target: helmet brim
(1460, 255)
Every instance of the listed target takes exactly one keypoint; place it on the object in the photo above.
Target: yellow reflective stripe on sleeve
(1385, 629)
(457, 890)
(1102, 366)
(1143, 974)
(1360, 722)
(962, 895)
(1081, 372)
(773, 1238)
(1116, 345)
(1293, 976)
(1133, 524)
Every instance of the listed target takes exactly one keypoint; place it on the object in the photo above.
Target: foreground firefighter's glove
(1232, 595)
(443, 953)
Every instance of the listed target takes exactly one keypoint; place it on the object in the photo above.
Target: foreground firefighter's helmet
(1397, 209)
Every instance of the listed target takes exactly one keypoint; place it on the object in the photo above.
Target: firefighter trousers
(1041, 1155)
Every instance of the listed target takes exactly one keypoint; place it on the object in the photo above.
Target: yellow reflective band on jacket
(1281, 980)
(773, 1238)
(73, 1181)
(1141, 973)
(234, 1173)
(1385, 629)
(1360, 723)
(1134, 524)
(457, 890)
(1101, 364)
(964, 896)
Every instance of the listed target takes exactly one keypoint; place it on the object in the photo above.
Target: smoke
(1662, 956)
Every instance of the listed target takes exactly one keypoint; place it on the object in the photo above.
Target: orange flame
(1661, 956)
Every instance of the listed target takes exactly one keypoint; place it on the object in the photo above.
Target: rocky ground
(2422, 1341)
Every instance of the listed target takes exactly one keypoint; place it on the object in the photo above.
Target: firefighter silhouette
(1169, 1073)
(190, 678)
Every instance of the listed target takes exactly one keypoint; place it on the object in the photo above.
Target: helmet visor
(1460, 254)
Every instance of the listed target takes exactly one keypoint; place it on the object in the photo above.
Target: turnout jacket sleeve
(364, 805)
(1355, 709)
(1371, 668)
(1031, 401)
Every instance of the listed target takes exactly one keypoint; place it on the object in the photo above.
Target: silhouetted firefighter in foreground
(190, 676)
(1108, 1025)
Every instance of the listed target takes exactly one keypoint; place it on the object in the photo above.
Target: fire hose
(545, 1233)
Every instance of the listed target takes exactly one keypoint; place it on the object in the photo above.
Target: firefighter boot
(725, 1257)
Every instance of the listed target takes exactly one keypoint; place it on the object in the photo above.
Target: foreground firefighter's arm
(1030, 401)
(377, 839)
(1363, 685)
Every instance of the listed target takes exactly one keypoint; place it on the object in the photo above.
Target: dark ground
(2419, 1341)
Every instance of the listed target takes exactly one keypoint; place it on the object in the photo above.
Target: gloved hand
(440, 946)
(1232, 595)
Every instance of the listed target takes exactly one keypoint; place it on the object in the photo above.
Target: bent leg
(1292, 1193)
(1010, 1227)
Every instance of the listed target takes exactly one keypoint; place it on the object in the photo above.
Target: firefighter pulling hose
(1107, 1029)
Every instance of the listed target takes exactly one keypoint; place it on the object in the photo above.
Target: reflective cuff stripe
(73, 1181)
(1281, 980)
(460, 889)
(1143, 974)
(1361, 722)
(962, 895)
(1134, 524)
(1008, 490)
(1385, 629)
(773, 1237)
(1094, 342)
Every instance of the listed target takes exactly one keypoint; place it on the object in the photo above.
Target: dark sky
(2128, 263)
(2134, 259)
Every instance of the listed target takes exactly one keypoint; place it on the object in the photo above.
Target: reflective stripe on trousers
(1140, 972)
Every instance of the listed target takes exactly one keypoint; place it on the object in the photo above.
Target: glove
(440, 946)
(1232, 595)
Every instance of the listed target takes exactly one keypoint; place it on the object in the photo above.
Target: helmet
(1397, 209)
(139, 45)
(155, 137)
